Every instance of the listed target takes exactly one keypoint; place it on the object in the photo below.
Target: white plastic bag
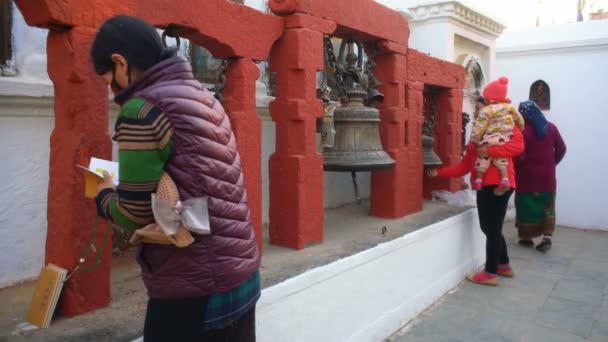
(462, 198)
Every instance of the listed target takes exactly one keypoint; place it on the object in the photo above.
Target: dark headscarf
(532, 114)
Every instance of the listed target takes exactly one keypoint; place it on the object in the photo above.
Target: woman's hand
(482, 152)
(432, 173)
(107, 182)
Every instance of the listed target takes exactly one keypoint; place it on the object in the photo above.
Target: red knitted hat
(496, 91)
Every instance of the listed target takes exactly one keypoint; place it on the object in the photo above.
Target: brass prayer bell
(357, 145)
(429, 157)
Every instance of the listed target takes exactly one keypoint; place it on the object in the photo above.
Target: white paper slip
(100, 165)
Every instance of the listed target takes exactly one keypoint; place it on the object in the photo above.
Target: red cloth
(496, 91)
(492, 177)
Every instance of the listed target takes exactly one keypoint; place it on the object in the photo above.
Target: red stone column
(81, 131)
(239, 102)
(447, 138)
(296, 167)
(389, 196)
(415, 170)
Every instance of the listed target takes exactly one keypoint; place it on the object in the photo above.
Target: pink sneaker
(477, 183)
(505, 270)
(503, 187)
(483, 278)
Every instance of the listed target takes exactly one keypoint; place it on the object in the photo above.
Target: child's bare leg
(481, 165)
(502, 166)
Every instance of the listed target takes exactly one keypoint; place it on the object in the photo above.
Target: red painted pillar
(296, 167)
(239, 102)
(447, 138)
(81, 123)
(414, 173)
(389, 196)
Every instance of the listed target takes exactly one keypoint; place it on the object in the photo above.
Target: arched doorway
(541, 94)
(475, 80)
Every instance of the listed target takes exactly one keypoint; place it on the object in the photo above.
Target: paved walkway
(558, 296)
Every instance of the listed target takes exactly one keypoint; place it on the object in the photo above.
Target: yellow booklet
(48, 290)
(93, 175)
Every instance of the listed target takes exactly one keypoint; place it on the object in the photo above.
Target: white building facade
(572, 59)
(458, 33)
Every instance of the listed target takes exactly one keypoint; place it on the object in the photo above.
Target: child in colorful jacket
(494, 126)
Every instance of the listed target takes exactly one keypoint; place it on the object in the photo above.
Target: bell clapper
(357, 196)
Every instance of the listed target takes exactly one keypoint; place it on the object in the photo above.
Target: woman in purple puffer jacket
(536, 179)
(169, 123)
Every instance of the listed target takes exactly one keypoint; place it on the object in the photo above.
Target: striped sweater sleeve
(144, 135)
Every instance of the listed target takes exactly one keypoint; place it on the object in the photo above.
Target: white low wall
(370, 295)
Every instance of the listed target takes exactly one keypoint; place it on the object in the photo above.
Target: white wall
(26, 123)
(29, 46)
(577, 79)
(260, 5)
(432, 37)
(476, 43)
(358, 298)
(339, 190)
(447, 38)
(467, 47)
(23, 190)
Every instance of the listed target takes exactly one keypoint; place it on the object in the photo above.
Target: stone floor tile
(494, 326)
(600, 329)
(580, 290)
(601, 314)
(566, 315)
(557, 296)
(538, 333)
(533, 282)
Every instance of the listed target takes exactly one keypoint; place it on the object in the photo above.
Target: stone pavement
(558, 296)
